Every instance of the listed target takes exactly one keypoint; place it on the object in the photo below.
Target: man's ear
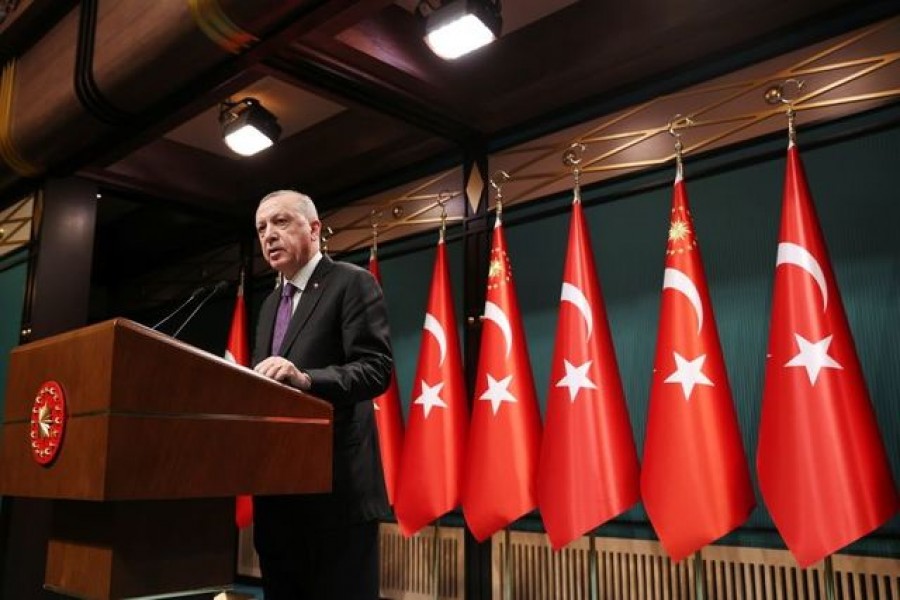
(316, 229)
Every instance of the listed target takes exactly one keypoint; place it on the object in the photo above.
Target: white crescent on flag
(794, 254)
(434, 327)
(492, 312)
(677, 280)
(572, 294)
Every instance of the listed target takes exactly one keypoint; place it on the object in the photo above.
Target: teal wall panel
(13, 276)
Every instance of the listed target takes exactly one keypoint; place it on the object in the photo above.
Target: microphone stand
(218, 287)
(190, 299)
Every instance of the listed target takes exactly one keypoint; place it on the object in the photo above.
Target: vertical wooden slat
(709, 578)
(720, 579)
(859, 585)
(813, 584)
(757, 592)
(800, 584)
(547, 579)
(660, 576)
(643, 591)
(729, 581)
(778, 582)
(882, 583)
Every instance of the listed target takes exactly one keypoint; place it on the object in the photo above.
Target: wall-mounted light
(247, 127)
(461, 26)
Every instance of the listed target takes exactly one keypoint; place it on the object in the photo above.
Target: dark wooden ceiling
(405, 111)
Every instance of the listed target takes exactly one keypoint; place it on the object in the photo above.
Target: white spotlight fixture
(461, 26)
(247, 127)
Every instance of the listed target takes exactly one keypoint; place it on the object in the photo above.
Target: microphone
(190, 299)
(215, 290)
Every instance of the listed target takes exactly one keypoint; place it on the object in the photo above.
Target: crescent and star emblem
(576, 297)
(793, 254)
(494, 313)
(434, 327)
(678, 281)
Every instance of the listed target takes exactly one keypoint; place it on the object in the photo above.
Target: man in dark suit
(324, 330)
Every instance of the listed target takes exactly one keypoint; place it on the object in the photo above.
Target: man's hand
(283, 370)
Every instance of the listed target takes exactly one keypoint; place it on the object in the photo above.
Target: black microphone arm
(181, 306)
(215, 290)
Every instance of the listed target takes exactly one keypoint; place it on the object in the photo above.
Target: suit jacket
(339, 336)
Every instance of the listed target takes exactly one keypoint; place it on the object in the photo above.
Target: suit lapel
(308, 301)
(266, 324)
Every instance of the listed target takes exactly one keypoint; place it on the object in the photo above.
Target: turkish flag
(388, 419)
(822, 466)
(237, 351)
(505, 432)
(588, 466)
(430, 477)
(694, 477)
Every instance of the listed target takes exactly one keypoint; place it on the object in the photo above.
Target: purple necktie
(283, 317)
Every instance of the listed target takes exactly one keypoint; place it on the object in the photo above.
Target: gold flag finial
(443, 197)
(373, 219)
(497, 180)
(679, 122)
(572, 157)
(777, 94)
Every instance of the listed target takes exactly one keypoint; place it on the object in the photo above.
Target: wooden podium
(158, 439)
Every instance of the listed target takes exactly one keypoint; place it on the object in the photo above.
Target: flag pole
(436, 559)
(572, 158)
(829, 578)
(699, 578)
(507, 565)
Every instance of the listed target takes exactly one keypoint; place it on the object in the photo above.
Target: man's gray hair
(304, 204)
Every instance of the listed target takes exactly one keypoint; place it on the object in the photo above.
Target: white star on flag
(813, 356)
(430, 397)
(576, 378)
(688, 373)
(498, 392)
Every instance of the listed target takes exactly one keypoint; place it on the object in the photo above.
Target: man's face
(288, 240)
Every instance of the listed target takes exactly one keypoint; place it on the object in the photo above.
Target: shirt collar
(301, 278)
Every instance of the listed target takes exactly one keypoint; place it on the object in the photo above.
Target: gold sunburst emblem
(679, 230)
(496, 268)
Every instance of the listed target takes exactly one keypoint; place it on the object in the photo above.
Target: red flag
(505, 433)
(433, 450)
(588, 468)
(822, 466)
(238, 351)
(388, 420)
(694, 478)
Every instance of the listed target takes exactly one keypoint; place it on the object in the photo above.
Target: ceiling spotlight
(461, 26)
(247, 127)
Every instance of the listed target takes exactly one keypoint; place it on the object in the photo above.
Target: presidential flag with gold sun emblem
(694, 478)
